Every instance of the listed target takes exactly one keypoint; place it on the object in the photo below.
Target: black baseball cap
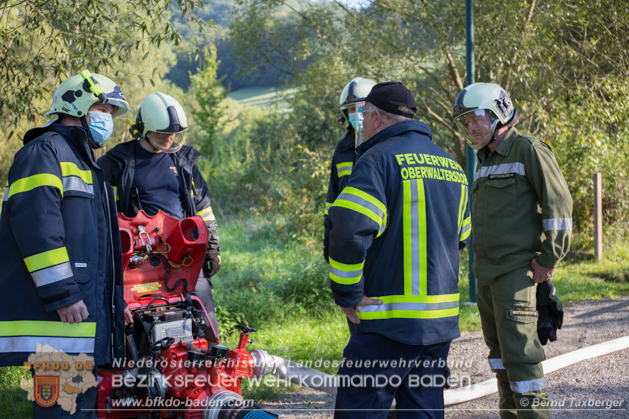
(390, 95)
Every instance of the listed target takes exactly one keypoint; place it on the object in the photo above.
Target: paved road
(589, 389)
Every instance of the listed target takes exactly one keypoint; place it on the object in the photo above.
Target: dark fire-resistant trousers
(203, 290)
(377, 370)
(508, 316)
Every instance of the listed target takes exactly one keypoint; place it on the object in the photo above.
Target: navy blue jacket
(119, 167)
(60, 244)
(397, 228)
(340, 169)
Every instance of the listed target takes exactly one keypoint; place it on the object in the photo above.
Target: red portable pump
(175, 366)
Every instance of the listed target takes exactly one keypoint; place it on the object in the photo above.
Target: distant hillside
(220, 12)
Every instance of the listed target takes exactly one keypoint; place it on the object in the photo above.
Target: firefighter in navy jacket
(62, 270)
(397, 229)
(345, 153)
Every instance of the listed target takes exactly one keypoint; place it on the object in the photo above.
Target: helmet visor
(477, 127)
(117, 98)
(168, 142)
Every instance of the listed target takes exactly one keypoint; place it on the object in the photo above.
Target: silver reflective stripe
(408, 306)
(344, 171)
(557, 224)
(52, 274)
(496, 364)
(29, 344)
(5, 197)
(500, 169)
(528, 385)
(363, 203)
(345, 274)
(415, 268)
(76, 184)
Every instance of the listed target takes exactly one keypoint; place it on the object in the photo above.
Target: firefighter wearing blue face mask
(62, 270)
(351, 101)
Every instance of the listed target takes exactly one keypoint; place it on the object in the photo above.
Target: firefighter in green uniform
(522, 225)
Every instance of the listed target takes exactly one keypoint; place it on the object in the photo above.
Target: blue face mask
(101, 127)
(356, 121)
(352, 119)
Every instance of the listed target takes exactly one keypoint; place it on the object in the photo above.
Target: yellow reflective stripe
(408, 239)
(415, 241)
(115, 193)
(193, 190)
(46, 328)
(346, 274)
(327, 207)
(71, 169)
(408, 314)
(207, 214)
(461, 207)
(31, 182)
(362, 210)
(46, 259)
(423, 242)
(368, 198)
(466, 228)
(344, 169)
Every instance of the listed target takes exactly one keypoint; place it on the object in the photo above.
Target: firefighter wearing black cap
(397, 228)
(61, 273)
(157, 172)
(522, 227)
(351, 101)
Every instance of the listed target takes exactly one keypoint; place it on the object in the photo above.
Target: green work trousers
(507, 308)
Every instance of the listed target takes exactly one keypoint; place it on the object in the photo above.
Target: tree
(564, 63)
(42, 40)
(209, 93)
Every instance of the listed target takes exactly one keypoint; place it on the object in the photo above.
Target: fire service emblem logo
(46, 390)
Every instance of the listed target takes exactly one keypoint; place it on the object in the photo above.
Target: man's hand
(541, 274)
(128, 317)
(350, 312)
(74, 313)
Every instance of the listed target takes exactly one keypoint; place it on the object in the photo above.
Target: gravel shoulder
(595, 388)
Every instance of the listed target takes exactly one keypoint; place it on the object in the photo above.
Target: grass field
(282, 288)
(260, 96)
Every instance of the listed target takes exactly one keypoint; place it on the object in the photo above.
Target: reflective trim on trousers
(29, 344)
(528, 385)
(496, 364)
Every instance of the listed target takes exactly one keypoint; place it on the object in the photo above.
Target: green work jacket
(521, 208)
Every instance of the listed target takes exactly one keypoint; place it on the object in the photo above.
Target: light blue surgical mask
(352, 119)
(101, 127)
(356, 119)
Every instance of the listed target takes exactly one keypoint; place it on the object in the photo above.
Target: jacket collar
(503, 148)
(78, 136)
(394, 131)
(505, 145)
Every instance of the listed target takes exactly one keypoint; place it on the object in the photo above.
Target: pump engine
(175, 365)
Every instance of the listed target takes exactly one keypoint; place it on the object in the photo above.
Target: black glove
(212, 263)
(326, 253)
(550, 312)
